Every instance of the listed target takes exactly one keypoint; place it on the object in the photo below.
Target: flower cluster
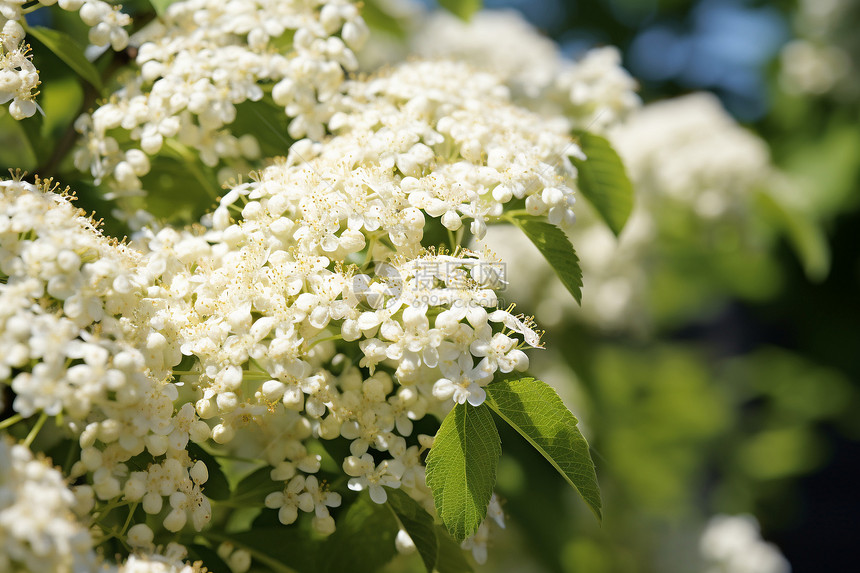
(202, 60)
(315, 302)
(321, 252)
(18, 76)
(823, 58)
(594, 93)
(306, 307)
(733, 543)
(690, 150)
(38, 527)
(70, 309)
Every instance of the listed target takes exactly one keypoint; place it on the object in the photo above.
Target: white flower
(463, 381)
(733, 543)
(197, 63)
(594, 93)
(373, 477)
(37, 525)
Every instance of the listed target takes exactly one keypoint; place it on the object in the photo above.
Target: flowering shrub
(304, 354)
(306, 377)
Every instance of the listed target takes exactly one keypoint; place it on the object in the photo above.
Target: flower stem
(43, 417)
(11, 421)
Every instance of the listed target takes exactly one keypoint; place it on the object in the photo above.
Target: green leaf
(534, 410)
(254, 488)
(208, 556)
(32, 128)
(806, 237)
(450, 558)
(161, 6)
(603, 180)
(461, 468)
(417, 523)
(282, 549)
(216, 487)
(67, 49)
(557, 250)
(464, 9)
(364, 539)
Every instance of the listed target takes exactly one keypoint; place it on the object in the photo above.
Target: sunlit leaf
(161, 6)
(465, 9)
(534, 409)
(67, 49)
(461, 468)
(603, 180)
(557, 250)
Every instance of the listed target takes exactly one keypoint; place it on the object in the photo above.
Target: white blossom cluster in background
(685, 155)
(593, 93)
(19, 78)
(689, 149)
(200, 61)
(39, 530)
(733, 544)
(823, 58)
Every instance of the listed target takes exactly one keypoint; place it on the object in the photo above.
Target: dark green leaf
(208, 556)
(806, 237)
(603, 180)
(216, 487)
(465, 9)
(282, 549)
(557, 250)
(254, 488)
(32, 128)
(364, 539)
(450, 558)
(64, 47)
(461, 468)
(417, 523)
(534, 409)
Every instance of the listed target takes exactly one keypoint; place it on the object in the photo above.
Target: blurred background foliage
(741, 395)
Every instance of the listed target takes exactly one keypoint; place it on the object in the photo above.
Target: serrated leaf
(417, 523)
(450, 558)
(461, 468)
(364, 539)
(603, 180)
(216, 487)
(557, 250)
(67, 49)
(533, 409)
(464, 9)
